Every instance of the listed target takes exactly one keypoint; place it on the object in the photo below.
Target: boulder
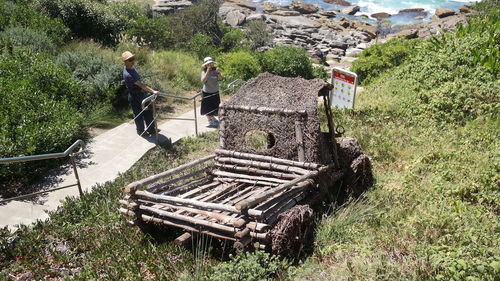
(338, 2)
(241, 3)
(412, 10)
(224, 10)
(363, 45)
(304, 8)
(351, 10)
(407, 33)
(253, 17)
(348, 59)
(443, 12)
(353, 52)
(338, 45)
(294, 21)
(336, 52)
(235, 18)
(380, 16)
(329, 14)
(465, 9)
(286, 13)
(269, 7)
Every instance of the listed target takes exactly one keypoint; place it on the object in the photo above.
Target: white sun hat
(207, 60)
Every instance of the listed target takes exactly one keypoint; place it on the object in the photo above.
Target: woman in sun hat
(135, 89)
(210, 76)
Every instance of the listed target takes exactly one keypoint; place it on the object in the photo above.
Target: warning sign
(344, 88)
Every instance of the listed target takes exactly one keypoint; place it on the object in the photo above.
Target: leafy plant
(288, 62)
(239, 65)
(18, 14)
(258, 34)
(381, 58)
(258, 265)
(13, 39)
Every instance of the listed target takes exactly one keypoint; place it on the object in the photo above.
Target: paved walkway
(109, 154)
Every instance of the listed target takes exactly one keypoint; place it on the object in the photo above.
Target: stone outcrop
(338, 40)
(304, 8)
(168, 6)
(338, 2)
(443, 12)
(412, 10)
(380, 16)
(235, 18)
(465, 9)
(351, 10)
(240, 4)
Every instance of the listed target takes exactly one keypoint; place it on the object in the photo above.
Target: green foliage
(321, 73)
(21, 15)
(14, 39)
(101, 21)
(487, 52)
(288, 62)
(37, 113)
(258, 265)
(258, 34)
(100, 79)
(152, 32)
(202, 45)
(233, 39)
(178, 71)
(380, 58)
(199, 18)
(239, 65)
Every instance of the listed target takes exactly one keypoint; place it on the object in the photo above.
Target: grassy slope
(432, 128)
(89, 240)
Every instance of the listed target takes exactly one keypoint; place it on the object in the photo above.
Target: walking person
(136, 94)
(210, 76)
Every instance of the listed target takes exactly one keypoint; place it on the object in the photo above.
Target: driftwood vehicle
(273, 166)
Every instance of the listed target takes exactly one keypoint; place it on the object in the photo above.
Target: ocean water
(392, 7)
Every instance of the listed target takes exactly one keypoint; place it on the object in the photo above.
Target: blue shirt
(131, 76)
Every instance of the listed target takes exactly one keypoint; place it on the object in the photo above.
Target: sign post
(344, 88)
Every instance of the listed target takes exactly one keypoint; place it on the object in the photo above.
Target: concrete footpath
(105, 157)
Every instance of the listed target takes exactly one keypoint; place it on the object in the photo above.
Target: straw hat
(207, 61)
(127, 55)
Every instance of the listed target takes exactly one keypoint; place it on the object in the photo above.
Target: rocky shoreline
(338, 38)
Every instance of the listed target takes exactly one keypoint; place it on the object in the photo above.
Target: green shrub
(239, 65)
(258, 34)
(18, 38)
(202, 45)
(233, 38)
(321, 73)
(201, 18)
(251, 266)
(179, 71)
(37, 113)
(100, 79)
(380, 58)
(21, 15)
(288, 62)
(101, 21)
(152, 32)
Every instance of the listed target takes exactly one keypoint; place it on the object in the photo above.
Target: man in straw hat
(136, 94)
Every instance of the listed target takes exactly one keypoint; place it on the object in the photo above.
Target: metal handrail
(44, 156)
(68, 152)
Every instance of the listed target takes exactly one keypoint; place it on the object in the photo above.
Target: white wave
(371, 8)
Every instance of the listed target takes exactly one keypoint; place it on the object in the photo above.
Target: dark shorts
(210, 104)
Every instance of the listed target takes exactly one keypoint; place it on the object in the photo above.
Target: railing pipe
(44, 156)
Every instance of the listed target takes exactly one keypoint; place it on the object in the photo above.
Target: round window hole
(259, 140)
